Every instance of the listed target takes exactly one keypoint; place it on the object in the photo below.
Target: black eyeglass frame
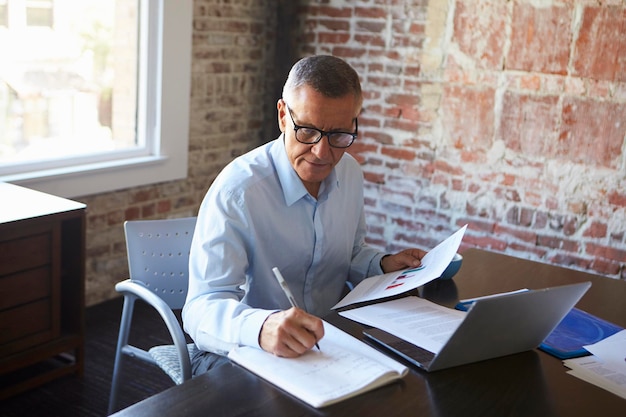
(323, 133)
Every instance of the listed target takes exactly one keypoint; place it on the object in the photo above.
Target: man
(295, 203)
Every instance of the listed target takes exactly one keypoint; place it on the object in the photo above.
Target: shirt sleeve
(365, 259)
(214, 315)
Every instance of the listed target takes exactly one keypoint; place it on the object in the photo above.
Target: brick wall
(506, 115)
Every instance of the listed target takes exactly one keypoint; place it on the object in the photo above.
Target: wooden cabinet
(42, 269)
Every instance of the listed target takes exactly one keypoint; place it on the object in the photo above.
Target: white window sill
(100, 177)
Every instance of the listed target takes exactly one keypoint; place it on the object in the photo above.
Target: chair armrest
(139, 290)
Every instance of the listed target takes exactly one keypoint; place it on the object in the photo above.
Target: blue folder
(576, 330)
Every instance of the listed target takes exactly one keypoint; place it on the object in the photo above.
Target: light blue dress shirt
(258, 215)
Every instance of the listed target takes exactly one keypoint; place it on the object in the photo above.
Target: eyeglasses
(311, 135)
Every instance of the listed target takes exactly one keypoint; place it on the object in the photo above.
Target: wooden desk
(42, 269)
(527, 384)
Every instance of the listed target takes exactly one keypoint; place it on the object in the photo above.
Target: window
(39, 13)
(85, 102)
(4, 16)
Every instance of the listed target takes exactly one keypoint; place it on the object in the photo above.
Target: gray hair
(326, 74)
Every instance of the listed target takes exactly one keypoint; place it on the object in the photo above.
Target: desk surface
(527, 384)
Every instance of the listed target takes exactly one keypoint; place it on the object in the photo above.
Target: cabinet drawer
(25, 326)
(25, 252)
(25, 287)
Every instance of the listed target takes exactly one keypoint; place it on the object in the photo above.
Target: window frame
(164, 128)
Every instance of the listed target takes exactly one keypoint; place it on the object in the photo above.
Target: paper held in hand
(343, 368)
(394, 283)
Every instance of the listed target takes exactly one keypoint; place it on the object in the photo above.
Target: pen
(287, 291)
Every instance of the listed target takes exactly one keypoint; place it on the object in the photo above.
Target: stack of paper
(606, 368)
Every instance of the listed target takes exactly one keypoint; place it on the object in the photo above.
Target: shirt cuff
(251, 327)
(375, 268)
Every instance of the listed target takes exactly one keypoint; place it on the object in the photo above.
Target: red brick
(485, 242)
(526, 217)
(600, 51)
(97, 222)
(328, 11)
(618, 199)
(380, 137)
(148, 210)
(398, 153)
(540, 39)
(415, 29)
(94, 251)
(164, 206)
(371, 12)
(376, 178)
(519, 234)
(403, 100)
(570, 260)
(468, 116)
(556, 242)
(115, 218)
(596, 230)
(443, 166)
(365, 121)
(132, 213)
(592, 132)
(143, 195)
(458, 184)
(530, 82)
(348, 53)
(334, 24)
(528, 123)
(384, 81)
(361, 147)
(552, 203)
(605, 252)
(369, 39)
(333, 37)
(600, 88)
(526, 250)
(370, 26)
(401, 124)
(479, 30)
(605, 267)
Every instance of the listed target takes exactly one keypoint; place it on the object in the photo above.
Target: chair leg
(122, 341)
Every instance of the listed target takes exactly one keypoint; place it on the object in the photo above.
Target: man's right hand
(290, 333)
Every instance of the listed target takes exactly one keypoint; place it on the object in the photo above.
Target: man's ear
(282, 115)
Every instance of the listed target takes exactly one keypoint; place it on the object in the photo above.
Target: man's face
(313, 163)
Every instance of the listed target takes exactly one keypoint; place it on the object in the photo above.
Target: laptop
(493, 327)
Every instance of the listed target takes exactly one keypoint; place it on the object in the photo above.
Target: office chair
(158, 257)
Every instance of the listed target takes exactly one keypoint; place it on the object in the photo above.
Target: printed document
(606, 368)
(416, 320)
(433, 264)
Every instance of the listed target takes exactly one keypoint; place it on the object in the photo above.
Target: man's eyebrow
(335, 130)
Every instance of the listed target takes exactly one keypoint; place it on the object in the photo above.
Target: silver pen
(287, 291)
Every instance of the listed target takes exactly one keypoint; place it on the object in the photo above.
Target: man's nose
(322, 148)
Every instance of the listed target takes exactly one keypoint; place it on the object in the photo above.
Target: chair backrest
(158, 256)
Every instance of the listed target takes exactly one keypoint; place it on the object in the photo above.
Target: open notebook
(343, 368)
(492, 327)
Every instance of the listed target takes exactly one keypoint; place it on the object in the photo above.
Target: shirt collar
(293, 188)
